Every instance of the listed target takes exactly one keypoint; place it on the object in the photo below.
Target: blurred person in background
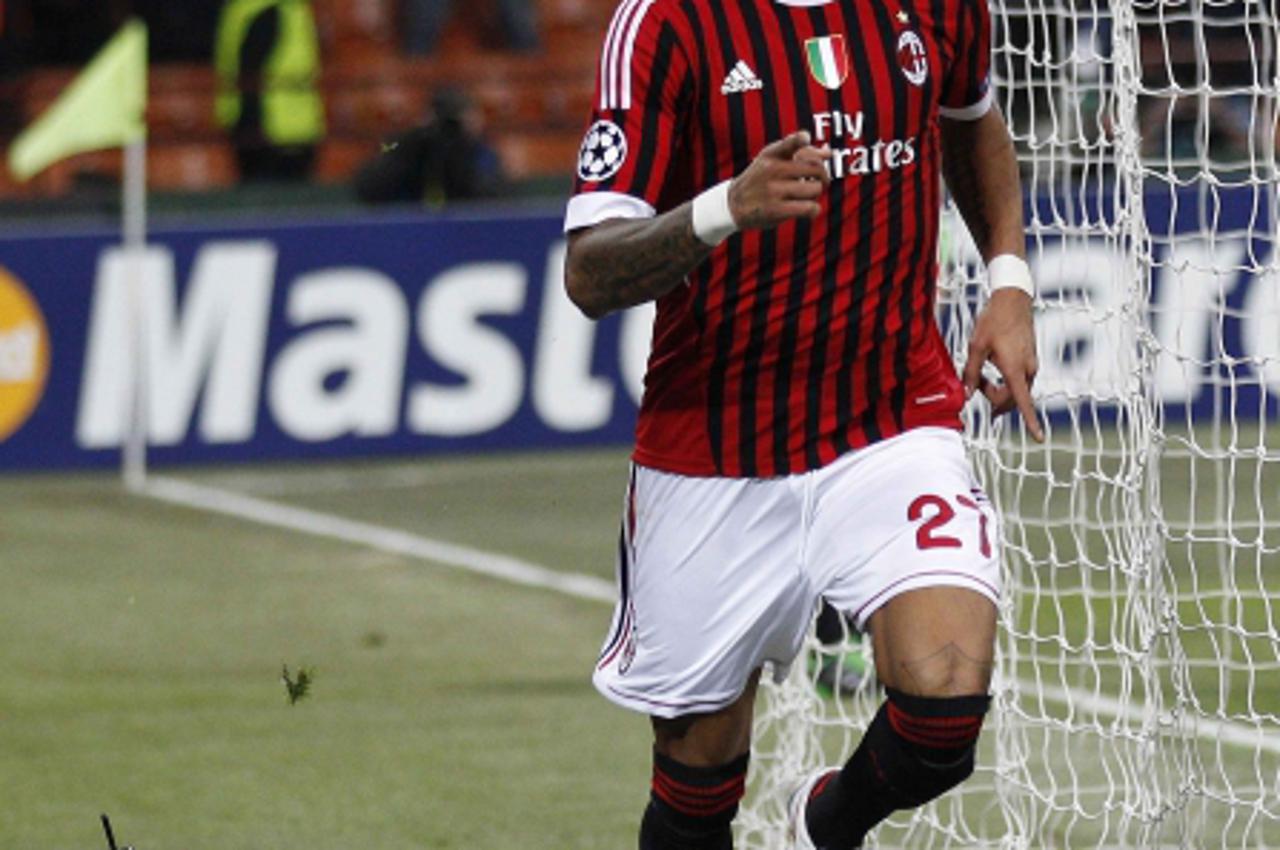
(267, 57)
(444, 159)
(424, 20)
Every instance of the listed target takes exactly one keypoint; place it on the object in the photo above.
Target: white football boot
(797, 829)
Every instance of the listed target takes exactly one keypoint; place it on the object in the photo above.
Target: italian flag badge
(828, 60)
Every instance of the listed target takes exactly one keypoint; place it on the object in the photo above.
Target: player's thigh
(935, 641)
(902, 528)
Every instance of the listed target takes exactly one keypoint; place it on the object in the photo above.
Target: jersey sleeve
(967, 94)
(642, 89)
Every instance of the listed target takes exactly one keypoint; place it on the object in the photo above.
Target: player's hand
(1005, 335)
(783, 182)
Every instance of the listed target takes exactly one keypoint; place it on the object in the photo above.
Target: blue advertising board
(1204, 274)
(316, 339)
(436, 333)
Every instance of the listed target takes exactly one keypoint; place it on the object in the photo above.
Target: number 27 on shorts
(937, 512)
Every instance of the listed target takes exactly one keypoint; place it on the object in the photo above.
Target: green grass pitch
(142, 650)
(142, 647)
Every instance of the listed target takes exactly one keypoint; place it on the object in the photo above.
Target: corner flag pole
(134, 234)
(105, 107)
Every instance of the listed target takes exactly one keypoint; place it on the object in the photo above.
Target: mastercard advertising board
(425, 334)
(419, 334)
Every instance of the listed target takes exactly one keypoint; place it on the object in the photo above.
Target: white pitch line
(399, 476)
(1206, 729)
(377, 537)
(517, 571)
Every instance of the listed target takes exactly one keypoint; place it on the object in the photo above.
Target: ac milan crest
(913, 58)
(828, 60)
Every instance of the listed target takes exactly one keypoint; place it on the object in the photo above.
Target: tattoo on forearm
(634, 262)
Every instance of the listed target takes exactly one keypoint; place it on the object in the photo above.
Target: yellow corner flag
(104, 107)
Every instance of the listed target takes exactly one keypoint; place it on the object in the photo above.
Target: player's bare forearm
(624, 262)
(981, 170)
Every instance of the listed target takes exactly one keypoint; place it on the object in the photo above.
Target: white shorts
(719, 575)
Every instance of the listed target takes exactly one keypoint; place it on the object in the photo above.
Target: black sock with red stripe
(915, 749)
(691, 808)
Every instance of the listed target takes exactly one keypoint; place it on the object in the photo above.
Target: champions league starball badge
(603, 152)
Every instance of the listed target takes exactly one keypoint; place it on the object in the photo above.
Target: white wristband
(1009, 271)
(712, 221)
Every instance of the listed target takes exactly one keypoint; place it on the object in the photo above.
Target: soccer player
(767, 171)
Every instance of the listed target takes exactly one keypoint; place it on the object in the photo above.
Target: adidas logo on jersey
(741, 79)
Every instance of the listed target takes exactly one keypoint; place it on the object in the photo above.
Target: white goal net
(1137, 689)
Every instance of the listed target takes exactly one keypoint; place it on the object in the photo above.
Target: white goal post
(1137, 690)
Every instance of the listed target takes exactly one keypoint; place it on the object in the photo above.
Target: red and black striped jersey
(788, 346)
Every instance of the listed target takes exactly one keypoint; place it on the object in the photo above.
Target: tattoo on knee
(947, 672)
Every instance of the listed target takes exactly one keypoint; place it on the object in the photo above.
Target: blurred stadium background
(385, 448)
(534, 102)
